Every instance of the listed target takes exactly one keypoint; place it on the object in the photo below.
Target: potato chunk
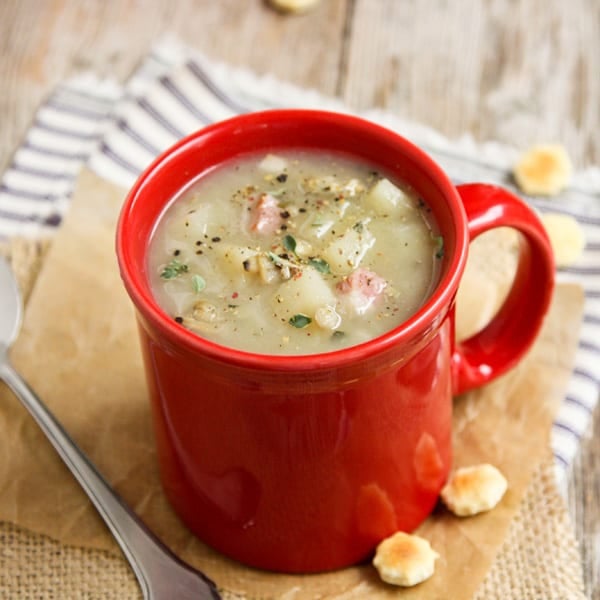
(303, 294)
(233, 258)
(387, 199)
(272, 163)
(325, 219)
(207, 220)
(345, 253)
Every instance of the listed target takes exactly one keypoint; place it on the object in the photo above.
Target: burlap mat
(539, 558)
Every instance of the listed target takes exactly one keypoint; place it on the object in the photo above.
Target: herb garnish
(319, 264)
(198, 283)
(173, 269)
(300, 321)
(282, 260)
(276, 259)
(439, 241)
(289, 243)
(278, 193)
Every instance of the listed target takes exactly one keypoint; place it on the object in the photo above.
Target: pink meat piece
(361, 288)
(266, 215)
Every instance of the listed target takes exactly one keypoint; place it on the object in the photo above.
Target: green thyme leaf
(319, 264)
(300, 321)
(439, 246)
(276, 259)
(198, 283)
(358, 226)
(278, 193)
(336, 335)
(289, 243)
(173, 269)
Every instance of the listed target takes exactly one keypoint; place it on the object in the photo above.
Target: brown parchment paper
(78, 350)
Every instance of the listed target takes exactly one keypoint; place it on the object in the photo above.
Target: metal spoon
(162, 575)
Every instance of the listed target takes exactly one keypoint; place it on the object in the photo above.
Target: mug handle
(496, 348)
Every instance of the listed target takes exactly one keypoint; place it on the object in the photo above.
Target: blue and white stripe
(175, 92)
(35, 189)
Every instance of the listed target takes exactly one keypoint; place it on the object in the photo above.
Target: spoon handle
(162, 575)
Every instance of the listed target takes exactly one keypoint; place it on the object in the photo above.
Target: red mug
(304, 463)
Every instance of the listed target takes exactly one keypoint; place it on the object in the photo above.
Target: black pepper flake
(302, 210)
(282, 177)
(179, 320)
(216, 239)
(284, 214)
(284, 227)
(199, 251)
(199, 243)
(177, 253)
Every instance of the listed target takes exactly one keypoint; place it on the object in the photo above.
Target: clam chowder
(296, 252)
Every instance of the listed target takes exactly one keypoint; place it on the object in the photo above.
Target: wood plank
(48, 41)
(517, 73)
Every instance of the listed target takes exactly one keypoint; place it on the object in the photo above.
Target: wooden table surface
(515, 72)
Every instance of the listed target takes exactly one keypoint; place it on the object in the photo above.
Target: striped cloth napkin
(117, 130)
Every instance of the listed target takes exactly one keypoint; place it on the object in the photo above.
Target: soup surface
(294, 253)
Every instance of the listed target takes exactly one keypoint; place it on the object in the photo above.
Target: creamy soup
(294, 253)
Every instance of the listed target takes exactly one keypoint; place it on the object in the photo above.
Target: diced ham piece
(361, 288)
(266, 215)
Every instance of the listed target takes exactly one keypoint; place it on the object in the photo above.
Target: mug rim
(421, 322)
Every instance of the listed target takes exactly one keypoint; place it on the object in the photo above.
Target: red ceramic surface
(304, 463)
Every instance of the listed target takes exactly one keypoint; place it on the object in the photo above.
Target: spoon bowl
(161, 574)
